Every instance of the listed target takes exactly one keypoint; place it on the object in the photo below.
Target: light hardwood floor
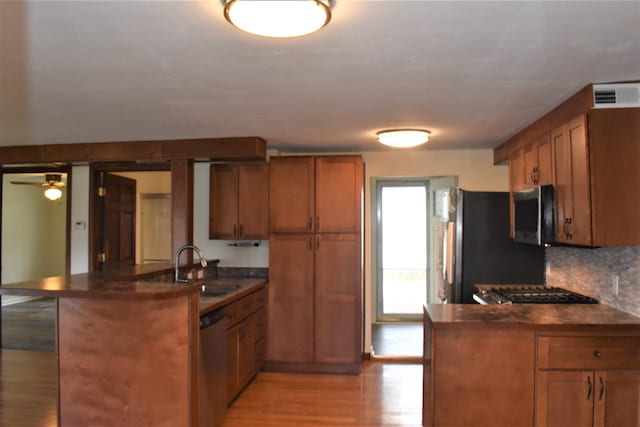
(382, 395)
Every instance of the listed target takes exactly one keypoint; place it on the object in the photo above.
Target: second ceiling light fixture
(278, 18)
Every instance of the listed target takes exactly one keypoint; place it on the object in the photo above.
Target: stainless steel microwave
(533, 215)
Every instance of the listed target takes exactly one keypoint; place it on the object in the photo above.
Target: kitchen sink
(219, 290)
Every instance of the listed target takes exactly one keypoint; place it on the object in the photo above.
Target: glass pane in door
(402, 266)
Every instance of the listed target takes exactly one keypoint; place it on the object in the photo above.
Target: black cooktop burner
(541, 295)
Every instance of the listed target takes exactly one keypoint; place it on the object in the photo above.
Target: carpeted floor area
(30, 325)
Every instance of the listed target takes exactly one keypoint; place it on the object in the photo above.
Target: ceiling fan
(52, 184)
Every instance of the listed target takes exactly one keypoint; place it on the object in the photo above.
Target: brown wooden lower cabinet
(596, 379)
(588, 398)
(245, 341)
(483, 369)
(314, 303)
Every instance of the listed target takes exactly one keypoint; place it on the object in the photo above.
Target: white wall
(474, 169)
(79, 214)
(229, 256)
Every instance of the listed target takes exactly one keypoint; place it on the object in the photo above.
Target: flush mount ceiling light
(278, 18)
(403, 138)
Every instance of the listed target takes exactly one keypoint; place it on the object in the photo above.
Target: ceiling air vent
(619, 95)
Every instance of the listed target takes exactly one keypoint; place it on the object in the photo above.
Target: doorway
(143, 231)
(402, 245)
(405, 250)
(35, 244)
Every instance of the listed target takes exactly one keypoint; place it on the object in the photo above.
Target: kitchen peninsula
(128, 349)
(530, 365)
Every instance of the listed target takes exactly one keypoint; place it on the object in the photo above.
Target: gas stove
(514, 294)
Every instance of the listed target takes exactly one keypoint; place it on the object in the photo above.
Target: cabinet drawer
(595, 352)
(239, 310)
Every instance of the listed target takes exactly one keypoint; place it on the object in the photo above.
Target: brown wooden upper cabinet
(595, 158)
(537, 162)
(571, 184)
(238, 201)
(315, 194)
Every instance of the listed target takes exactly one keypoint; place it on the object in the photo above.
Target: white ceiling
(472, 72)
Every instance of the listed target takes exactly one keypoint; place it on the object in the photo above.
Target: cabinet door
(617, 399)
(337, 303)
(545, 165)
(223, 202)
(253, 201)
(290, 324)
(233, 385)
(291, 195)
(581, 224)
(517, 171)
(571, 185)
(338, 194)
(537, 162)
(564, 398)
(246, 351)
(531, 171)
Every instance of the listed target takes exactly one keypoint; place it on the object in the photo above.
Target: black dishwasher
(212, 374)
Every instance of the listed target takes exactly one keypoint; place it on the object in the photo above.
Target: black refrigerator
(480, 250)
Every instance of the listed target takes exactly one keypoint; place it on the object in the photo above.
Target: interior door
(117, 222)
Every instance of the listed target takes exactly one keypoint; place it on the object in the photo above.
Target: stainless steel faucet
(203, 262)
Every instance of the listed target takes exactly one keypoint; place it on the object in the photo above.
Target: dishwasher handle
(211, 318)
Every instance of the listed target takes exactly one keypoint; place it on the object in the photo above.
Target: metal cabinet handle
(310, 223)
(318, 223)
(310, 243)
(317, 243)
(597, 353)
(235, 231)
(589, 388)
(601, 388)
(240, 231)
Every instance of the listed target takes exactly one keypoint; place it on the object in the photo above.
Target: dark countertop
(530, 314)
(121, 284)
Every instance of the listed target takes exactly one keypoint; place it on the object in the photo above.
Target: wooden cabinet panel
(517, 171)
(223, 213)
(564, 398)
(338, 194)
(617, 399)
(291, 194)
(488, 367)
(537, 162)
(545, 163)
(238, 202)
(571, 185)
(291, 294)
(614, 148)
(337, 299)
(253, 201)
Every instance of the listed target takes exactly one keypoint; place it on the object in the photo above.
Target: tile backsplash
(592, 272)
